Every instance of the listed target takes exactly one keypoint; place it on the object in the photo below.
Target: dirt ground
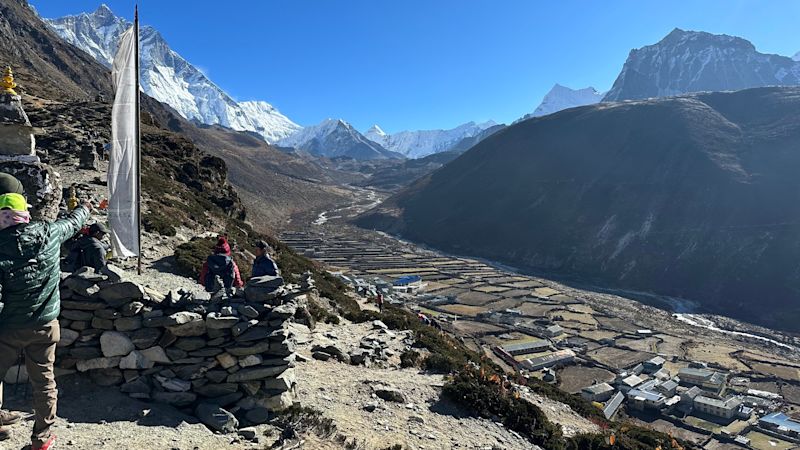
(341, 392)
(91, 416)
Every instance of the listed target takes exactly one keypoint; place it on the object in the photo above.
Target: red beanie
(222, 246)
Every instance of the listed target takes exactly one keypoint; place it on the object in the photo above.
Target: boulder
(81, 286)
(114, 343)
(156, 354)
(190, 343)
(389, 394)
(248, 311)
(263, 289)
(118, 294)
(137, 386)
(191, 324)
(256, 373)
(173, 384)
(145, 337)
(277, 402)
(114, 273)
(226, 360)
(68, 337)
(282, 383)
(258, 415)
(216, 321)
(128, 324)
(216, 418)
(136, 361)
(250, 360)
(98, 363)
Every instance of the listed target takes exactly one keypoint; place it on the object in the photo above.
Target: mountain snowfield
(418, 144)
(561, 97)
(796, 56)
(334, 138)
(169, 78)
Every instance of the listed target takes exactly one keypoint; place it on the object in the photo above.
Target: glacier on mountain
(561, 97)
(418, 144)
(169, 78)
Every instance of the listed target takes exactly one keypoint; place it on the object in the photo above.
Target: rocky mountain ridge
(169, 78)
(693, 61)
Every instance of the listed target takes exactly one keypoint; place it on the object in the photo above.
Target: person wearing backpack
(29, 288)
(89, 250)
(220, 265)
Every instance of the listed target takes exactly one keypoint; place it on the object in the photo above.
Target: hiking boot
(9, 417)
(4, 434)
(46, 446)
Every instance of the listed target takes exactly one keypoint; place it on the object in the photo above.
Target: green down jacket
(30, 270)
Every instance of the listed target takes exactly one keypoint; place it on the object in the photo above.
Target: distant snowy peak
(334, 138)
(561, 97)
(796, 57)
(418, 144)
(692, 61)
(375, 130)
(169, 78)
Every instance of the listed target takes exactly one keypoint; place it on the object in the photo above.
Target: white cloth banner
(123, 170)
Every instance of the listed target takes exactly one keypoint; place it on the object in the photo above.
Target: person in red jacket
(221, 266)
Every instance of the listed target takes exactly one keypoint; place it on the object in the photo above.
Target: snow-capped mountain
(796, 57)
(169, 78)
(417, 144)
(691, 61)
(336, 138)
(561, 97)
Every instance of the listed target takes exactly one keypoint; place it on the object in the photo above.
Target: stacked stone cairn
(226, 360)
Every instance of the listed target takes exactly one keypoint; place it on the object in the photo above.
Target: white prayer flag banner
(123, 170)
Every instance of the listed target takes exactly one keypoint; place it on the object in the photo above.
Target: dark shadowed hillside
(694, 196)
(50, 66)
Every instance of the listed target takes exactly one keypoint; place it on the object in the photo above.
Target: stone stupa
(18, 154)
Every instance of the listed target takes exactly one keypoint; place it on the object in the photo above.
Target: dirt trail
(344, 393)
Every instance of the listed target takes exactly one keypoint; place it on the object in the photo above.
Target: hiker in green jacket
(29, 294)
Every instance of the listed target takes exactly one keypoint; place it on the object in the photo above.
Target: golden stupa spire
(7, 84)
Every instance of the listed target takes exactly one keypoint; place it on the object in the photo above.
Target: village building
(654, 364)
(782, 424)
(645, 399)
(668, 388)
(560, 357)
(726, 409)
(597, 393)
(627, 383)
(612, 406)
(524, 348)
(703, 378)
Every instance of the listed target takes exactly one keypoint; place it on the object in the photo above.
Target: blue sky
(422, 64)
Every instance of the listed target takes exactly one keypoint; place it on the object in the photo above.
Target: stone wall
(228, 361)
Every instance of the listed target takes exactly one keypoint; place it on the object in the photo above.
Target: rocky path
(415, 417)
(92, 416)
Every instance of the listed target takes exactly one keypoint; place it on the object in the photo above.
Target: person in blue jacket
(264, 265)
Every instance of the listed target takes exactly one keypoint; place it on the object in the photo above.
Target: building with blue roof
(781, 423)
